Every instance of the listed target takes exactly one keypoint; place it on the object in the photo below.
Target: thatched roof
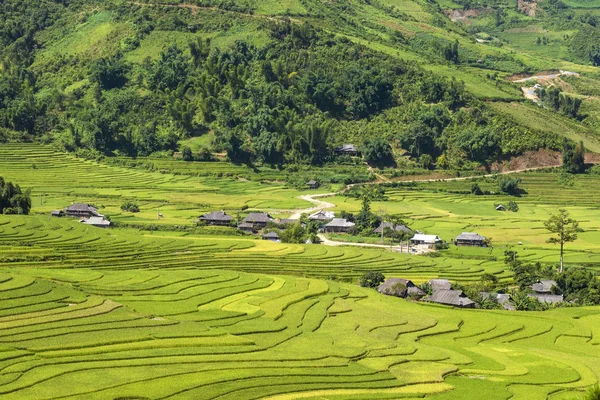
(470, 237)
(82, 208)
(440, 284)
(392, 287)
(543, 286)
(396, 228)
(454, 298)
(216, 216)
(270, 235)
(340, 223)
(259, 217)
(548, 298)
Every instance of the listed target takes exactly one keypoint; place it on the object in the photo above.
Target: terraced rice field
(64, 243)
(87, 313)
(59, 179)
(192, 333)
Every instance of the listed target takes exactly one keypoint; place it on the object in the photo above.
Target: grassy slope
(368, 24)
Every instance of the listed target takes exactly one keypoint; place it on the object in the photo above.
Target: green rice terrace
(130, 313)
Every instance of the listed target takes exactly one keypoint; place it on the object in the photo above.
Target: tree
(565, 229)
(110, 73)
(573, 157)
(509, 185)
(372, 279)
(377, 151)
(186, 154)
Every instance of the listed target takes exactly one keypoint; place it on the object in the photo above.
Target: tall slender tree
(565, 229)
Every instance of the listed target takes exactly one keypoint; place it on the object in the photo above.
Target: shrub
(187, 155)
(130, 206)
(372, 279)
(509, 185)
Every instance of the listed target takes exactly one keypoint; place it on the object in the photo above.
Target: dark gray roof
(245, 225)
(397, 228)
(470, 236)
(548, 298)
(387, 287)
(57, 212)
(271, 235)
(543, 286)
(258, 217)
(450, 297)
(82, 207)
(440, 284)
(216, 216)
(312, 183)
(340, 223)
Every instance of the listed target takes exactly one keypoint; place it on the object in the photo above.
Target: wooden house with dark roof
(272, 236)
(258, 219)
(82, 210)
(216, 218)
(397, 227)
(312, 184)
(400, 287)
(454, 298)
(339, 225)
(470, 239)
(543, 286)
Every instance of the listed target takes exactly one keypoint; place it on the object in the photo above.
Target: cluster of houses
(443, 293)
(86, 214)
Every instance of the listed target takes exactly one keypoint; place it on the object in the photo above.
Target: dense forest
(292, 98)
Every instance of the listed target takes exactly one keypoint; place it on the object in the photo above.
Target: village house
(396, 228)
(346, 149)
(547, 298)
(246, 227)
(216, 218)
(57, 213)
(98, 222)
(439, 284)
(82, 210)
(258, 219)
(400, 288)
(455, 298)
(425, 240)
(543, 286)
(339, 225)
(313, 184)
(321, 216)
(272, 236)
(470, 239)
(500, 207)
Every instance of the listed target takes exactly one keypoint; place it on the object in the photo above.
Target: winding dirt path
(321, 205)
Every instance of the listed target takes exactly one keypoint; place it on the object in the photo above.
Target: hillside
(285, 82)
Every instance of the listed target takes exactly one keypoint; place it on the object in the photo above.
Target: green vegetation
(165, 306)
(12, 199)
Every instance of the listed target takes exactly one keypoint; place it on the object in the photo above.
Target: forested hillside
(285, 82)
